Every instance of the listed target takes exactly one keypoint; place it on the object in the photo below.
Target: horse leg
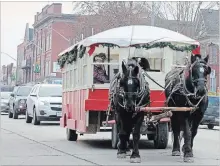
(135, 156)
(176, 134)
(187, 150)
(196, 119)
(122, 144)
(128, 151)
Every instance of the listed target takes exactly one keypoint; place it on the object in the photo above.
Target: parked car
(6, 90)
(211, 116)
(5, 97)
(17, 101)
(44, 103)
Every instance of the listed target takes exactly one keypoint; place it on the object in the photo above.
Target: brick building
(27, 62)
(209, 39)
(53, 32)
(20, 58)
(4, 75)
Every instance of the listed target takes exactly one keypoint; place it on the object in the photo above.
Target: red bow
(92, 49)
(196, 51)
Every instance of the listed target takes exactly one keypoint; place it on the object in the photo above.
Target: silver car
(5, 97)
(44, 103)
(18, 101)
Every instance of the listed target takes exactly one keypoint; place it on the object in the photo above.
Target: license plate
(59, 113)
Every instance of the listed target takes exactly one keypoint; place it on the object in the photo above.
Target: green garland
(108, 45)
(166, 44)
(62, 60)
(71, 56)
(82, 51)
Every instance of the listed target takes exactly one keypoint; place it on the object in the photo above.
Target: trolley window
(104, 67)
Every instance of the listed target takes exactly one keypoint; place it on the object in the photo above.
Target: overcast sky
(14, 16)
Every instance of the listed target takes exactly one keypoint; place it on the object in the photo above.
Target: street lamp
(61, 35)
(9, 56)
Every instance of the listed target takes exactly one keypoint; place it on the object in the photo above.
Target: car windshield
(50, 91)
(23, 91)
(5, 95)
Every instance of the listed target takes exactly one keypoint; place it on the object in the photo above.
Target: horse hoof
(135, 160)
(128, 153)
(188, 159)
(121, 155)
(176, 153)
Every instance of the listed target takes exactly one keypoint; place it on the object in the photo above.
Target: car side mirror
(12, 95)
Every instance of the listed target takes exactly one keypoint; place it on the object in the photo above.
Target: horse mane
(198, 55)
(144, 63)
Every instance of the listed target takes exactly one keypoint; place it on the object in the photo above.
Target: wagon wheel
(71, 135)
(162, 136)
(210, 126)
(115, 138)
(114, 134)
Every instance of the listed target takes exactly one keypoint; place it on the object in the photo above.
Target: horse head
(197, 74)
(130, 83)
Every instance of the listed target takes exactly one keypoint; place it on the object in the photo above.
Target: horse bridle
(193, 83)
(190, 70)
(140, 94)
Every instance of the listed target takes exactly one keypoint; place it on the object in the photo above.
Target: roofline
(52, 16)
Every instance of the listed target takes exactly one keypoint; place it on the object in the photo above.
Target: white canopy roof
(137, 34)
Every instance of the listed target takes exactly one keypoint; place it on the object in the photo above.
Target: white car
(44, 103)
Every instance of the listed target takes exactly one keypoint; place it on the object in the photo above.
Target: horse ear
(206, 58)
(209, 70)
(124, 69)
(193, 58)
(136, 70)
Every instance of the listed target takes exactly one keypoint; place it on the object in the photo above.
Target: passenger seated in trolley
(99, 72)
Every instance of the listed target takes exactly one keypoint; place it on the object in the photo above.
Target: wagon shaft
(165, 108)
(160, 116)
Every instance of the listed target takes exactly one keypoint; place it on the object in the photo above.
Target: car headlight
(22, 101)
(44, 103)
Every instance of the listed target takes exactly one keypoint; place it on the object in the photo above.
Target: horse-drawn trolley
(92, 69)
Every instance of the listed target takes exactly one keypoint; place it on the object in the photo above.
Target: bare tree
(185, 16)
(105, 15)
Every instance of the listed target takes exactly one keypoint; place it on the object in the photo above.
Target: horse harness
(181, 86)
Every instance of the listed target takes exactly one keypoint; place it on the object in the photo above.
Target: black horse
(132, 91)
(187, 88)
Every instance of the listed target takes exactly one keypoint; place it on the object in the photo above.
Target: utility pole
(152, 13)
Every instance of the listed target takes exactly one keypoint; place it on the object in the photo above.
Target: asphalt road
(26, 144)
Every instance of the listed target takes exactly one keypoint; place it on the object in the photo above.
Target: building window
(43, 44)
(49, 67)
(47, 42)
(213, 81)
(213, 53)
(50, 41)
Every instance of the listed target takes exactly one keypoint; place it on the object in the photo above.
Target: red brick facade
(53, 32)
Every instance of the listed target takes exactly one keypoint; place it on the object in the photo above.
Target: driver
(99, 72)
